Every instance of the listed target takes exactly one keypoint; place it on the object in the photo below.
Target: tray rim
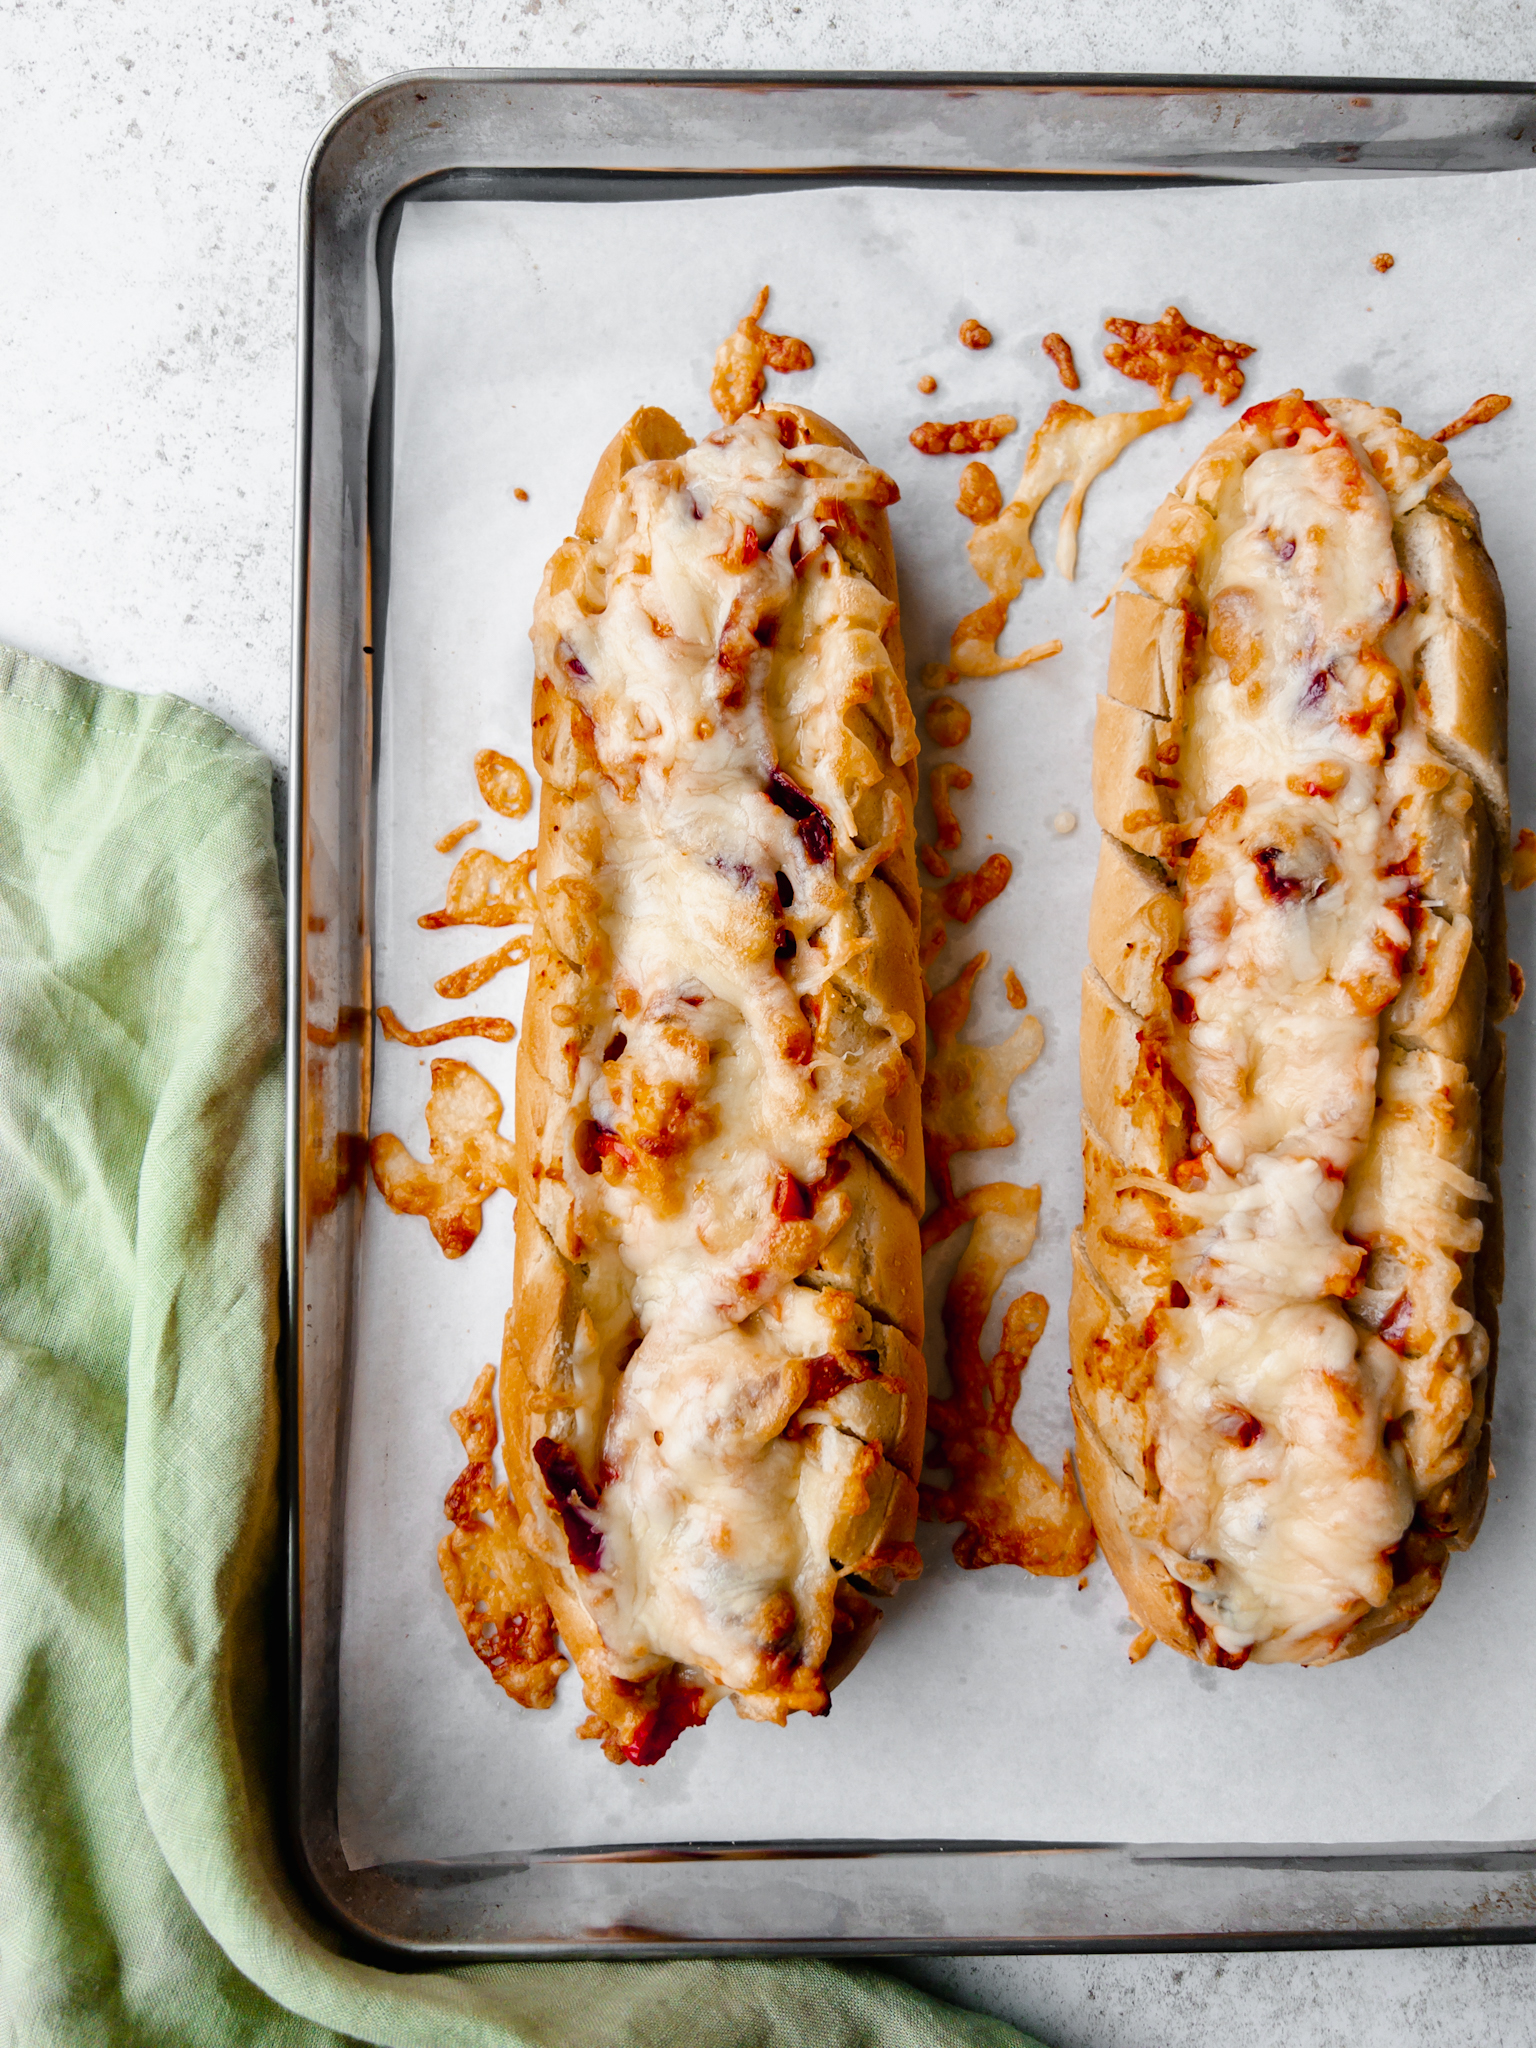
(362, 1931)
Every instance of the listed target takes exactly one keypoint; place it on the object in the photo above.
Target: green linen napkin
(142, 1896)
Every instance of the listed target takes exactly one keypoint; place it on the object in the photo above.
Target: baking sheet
(993, 1706)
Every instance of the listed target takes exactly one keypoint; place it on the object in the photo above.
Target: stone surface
(151, 154)
(152, 151)
(1373, 1998)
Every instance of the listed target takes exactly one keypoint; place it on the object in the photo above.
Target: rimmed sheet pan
(499, 1880)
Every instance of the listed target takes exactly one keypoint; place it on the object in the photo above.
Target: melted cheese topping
(743, 710)
(1282, 1487)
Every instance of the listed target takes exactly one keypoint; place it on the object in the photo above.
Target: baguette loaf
(1286, 1284)
(713, 1395)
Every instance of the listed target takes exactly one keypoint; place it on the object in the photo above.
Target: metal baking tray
(585, 136)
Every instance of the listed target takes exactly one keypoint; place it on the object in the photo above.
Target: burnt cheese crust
(1285, 1301)
(713, 1392)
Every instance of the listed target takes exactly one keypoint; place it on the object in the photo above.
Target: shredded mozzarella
(725, 655)
(1283, 1490)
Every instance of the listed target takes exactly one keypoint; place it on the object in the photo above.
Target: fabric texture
(143, 1898)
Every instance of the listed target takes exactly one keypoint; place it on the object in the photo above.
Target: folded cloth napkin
(143, 1898)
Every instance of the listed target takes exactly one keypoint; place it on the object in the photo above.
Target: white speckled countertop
(151, 154)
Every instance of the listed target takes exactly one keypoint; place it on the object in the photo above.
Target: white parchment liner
(992, 1704)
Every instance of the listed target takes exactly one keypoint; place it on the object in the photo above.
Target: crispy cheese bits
(1059, 349)
(962, 437)
(1159, 352)
(503, 783)
(1477, 415)
(469, 1159)
(1072, 446)
(741, 361)
(485, 890)
(1014, 1511)
(965, 1091)
(491, 1579)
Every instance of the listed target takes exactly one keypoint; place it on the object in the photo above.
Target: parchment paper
(992, 1705)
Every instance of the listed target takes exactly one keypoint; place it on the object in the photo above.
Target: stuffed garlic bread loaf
(714, 1395)
(1286, 1282)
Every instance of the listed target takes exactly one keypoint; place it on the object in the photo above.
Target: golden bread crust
(1132, 794)
(1128, 1094)
(877, 1255)
(646, 436)
(1133, 926)
(1154, 1599)
(1149, 654)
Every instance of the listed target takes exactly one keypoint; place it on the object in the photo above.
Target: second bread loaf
(1284, 1310)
